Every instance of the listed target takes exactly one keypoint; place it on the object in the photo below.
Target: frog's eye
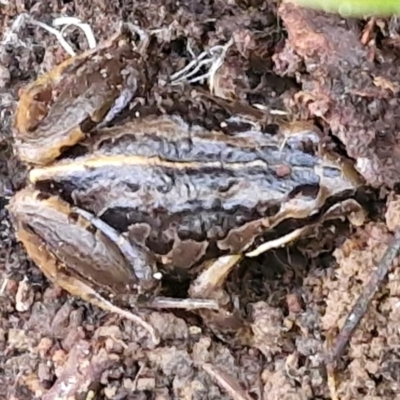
(43, 96)
(73, 217)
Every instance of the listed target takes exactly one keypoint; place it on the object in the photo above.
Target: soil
(342, 73)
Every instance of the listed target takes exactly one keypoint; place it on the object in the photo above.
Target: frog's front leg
(132, 76)
(76, 252)
(209, 283)
(58, 109)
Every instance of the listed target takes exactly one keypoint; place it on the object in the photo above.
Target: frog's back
(187, 182)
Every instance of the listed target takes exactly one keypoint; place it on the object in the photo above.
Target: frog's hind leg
(78, 288)
(55, 272)
(214, 275)
(209, 284)
(72, 252)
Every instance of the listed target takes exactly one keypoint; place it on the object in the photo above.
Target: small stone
(24, 297)
(44, 373)
(145, 384)
(44, 346)
(195, 330)
(19, 340)
(392, 214)
(294, 303)
(129, 384)
(59, 359)
(5, 77)
(110, 392)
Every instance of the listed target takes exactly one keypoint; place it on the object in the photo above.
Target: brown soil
(344, 74)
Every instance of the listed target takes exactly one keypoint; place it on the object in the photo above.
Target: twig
(139, 373)
(363, 301)
(358, 311)
(185, 304)
(226, 382)
(81, 372)
(3, 286)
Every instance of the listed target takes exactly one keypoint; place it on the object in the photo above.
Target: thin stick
(185, 304)
(363, 301)
(226, 382)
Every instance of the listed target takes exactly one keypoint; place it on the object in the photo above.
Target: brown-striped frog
(108, 206)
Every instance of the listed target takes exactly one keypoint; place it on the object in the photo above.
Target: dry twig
(363, 301)
(360, 308)
(184, 304)
(226, 382)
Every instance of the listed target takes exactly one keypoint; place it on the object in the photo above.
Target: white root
(214, 57)
(65, 23)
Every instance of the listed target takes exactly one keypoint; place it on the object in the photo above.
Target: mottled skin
(152, 189)
(62, 105)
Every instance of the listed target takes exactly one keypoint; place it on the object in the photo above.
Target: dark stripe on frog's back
(174, 187)
(195, 199)
(172, 139)
(225, 182)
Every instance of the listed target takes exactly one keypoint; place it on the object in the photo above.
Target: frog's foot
(206, 296)
(209, 285)
(80, 289)
(211, 280)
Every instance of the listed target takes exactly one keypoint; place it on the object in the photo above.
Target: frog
(110, 208)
